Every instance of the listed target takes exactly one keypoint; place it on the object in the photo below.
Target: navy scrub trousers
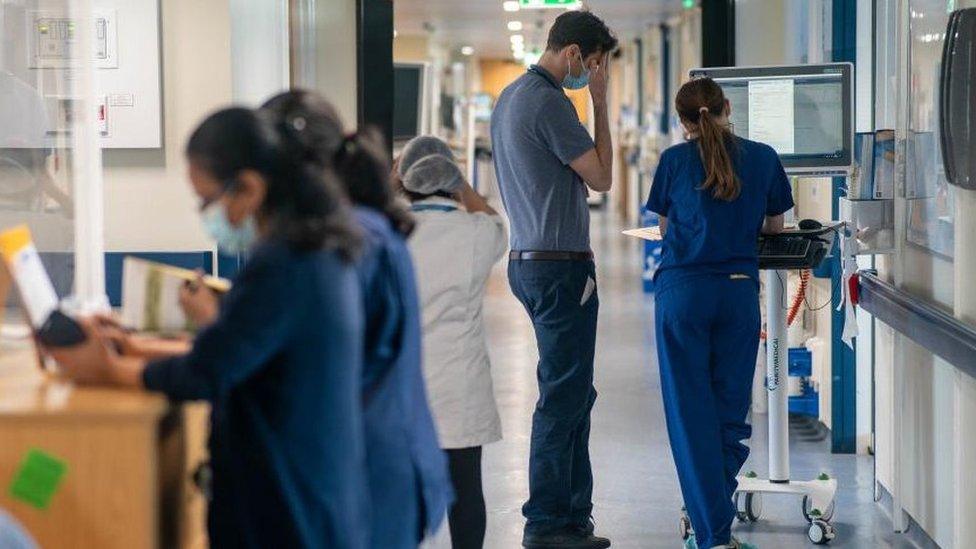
(564, 318)
(708, 338)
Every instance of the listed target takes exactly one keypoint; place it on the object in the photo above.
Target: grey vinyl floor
(636, 492)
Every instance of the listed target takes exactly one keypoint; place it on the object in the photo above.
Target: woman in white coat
(457, 240)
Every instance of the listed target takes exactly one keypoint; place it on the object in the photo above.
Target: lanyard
(432, 208)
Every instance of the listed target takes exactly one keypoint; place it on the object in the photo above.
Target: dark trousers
(564, 314)
(707, 340)
(467, 518)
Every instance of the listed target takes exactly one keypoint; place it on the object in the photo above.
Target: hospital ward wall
(934, 408)
(149, 205)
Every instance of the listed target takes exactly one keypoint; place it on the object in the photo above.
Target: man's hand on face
(599, 77)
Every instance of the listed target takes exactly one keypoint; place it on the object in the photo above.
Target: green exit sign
(537, 4)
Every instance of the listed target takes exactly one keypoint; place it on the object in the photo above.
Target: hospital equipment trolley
(802, 248)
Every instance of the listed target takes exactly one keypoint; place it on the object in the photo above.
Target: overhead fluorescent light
(514, 25)
(518, 55)
(547, 4)
(517, 39)
(511, 5)
(467, 50)
(532, 57)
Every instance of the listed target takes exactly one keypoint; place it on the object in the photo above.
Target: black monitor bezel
(803, 163)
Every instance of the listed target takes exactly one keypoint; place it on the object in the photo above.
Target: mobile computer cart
(778, 254)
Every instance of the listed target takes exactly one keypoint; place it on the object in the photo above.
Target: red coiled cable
(801, 294)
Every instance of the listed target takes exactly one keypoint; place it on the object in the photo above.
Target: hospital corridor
(487, 274)
(635, 487)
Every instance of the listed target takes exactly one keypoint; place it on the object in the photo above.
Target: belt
(551, 256)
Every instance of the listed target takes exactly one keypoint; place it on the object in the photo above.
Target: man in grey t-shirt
(545, 160)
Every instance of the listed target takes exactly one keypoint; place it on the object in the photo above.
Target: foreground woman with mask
(281, 364)
(408, 481)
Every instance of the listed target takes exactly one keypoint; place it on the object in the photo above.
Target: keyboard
(791, 251)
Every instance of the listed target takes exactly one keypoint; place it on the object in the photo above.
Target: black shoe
(565, 539)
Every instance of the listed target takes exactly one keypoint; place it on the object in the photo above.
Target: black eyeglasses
(229, 185)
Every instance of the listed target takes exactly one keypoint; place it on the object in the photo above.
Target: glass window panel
(37, 111)
(930, 199)
(50, 161)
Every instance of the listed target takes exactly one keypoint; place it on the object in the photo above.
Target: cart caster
(748, 506)
(821, 532)
(684, 525)
(816, 514)
(684, 528)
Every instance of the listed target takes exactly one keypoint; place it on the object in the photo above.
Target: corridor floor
(636, 492)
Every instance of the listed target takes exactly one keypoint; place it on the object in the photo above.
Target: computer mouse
(810, 225)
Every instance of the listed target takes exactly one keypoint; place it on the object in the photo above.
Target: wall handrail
(935, 330)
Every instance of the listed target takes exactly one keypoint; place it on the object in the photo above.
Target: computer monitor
(411, 100)
(804, 112)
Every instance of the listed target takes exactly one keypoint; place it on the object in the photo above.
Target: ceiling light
(511, 5)
(467, 50)
(514, 25)
(519, 55)
(532, 57)
(551, 4)
(517, 39)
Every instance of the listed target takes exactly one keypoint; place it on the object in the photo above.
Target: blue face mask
(571, 82)
(230, 239)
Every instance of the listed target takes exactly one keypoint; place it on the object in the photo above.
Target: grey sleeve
(560, 128)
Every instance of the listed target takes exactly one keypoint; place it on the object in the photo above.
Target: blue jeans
(707, 341)
(563, 307)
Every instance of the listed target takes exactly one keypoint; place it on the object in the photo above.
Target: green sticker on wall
(38, 478)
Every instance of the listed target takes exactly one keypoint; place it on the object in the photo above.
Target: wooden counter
(128, 457)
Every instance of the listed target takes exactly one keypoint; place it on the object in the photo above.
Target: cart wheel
(684, 528)
(816, 514)
(820, 532)
(748, 506)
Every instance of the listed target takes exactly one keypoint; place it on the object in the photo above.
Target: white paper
(588, 290)
(36, 289)
(771, 114)
(645, 233)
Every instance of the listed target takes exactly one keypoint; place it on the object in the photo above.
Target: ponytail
(698, 102)
(714, 142)
(360, 163)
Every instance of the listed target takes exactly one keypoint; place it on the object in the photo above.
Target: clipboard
(652, 233)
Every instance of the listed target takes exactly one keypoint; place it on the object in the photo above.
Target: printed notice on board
(771, 114)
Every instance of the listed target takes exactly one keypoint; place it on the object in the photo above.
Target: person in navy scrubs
(408, 476)
(282, 363)
(714, 195)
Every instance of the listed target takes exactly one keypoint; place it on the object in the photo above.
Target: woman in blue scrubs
(408, 477)
(281, 364)
(714, 195)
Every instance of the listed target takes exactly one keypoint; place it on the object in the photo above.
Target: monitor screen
(408, 90)
(804, 112)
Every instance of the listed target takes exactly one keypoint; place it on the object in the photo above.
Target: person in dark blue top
(714, 194)
(408, 477)
(282, 362)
